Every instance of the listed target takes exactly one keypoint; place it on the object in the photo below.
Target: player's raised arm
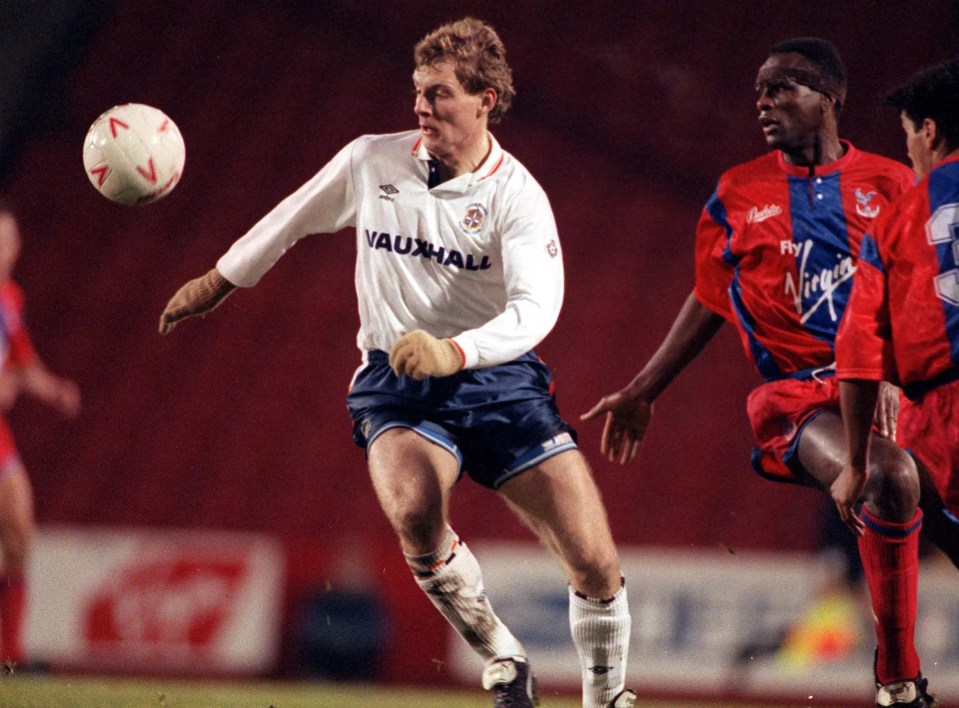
(629, 410)
(197, 297)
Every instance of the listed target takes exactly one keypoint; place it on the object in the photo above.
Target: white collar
(460, 184)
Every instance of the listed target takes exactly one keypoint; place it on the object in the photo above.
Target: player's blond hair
(478, 56)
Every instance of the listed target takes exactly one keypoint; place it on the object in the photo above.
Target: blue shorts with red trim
(497, 421)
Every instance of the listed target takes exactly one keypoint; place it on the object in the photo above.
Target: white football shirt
(476, 258)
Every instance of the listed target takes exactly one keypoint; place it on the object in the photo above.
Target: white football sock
(601, 634)
(452, 579)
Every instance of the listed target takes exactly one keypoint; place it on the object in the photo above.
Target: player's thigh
(560, 501)
(16, 511)
(822, 454)
(412, 476)
(821, 450)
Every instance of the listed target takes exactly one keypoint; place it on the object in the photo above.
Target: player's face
(9, 244)
(790, 113)
(452, 121)
(917, 145)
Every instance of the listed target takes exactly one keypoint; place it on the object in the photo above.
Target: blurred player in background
(459, 275)
(23, 372)
(775, 251)
(902, 322)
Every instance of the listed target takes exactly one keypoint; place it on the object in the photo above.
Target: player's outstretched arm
(37, 381)
(197, 297)
(629, 410)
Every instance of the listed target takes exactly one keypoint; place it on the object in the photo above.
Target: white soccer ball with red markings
(134, 154)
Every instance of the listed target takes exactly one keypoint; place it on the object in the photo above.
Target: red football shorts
(777, 411)
(929, 428)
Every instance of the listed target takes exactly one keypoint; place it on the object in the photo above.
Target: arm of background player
(25, 372)
(863, 359)
(38, 382)
(629, 410)
(858, 404)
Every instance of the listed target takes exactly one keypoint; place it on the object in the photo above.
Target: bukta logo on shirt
(755, 215)
(473, 220)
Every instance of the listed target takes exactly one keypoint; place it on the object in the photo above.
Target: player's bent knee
(894, 487)
(16, 546)
(600, 578)
(418, 527)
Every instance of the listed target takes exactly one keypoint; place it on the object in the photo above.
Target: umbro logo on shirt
(389, 190)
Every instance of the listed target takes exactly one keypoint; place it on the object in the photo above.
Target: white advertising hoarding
(707, 623)
(154, 600)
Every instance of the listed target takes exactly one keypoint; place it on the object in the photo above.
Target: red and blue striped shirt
(776, 248)
(902, 322)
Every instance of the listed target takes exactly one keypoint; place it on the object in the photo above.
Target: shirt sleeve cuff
(469, 351)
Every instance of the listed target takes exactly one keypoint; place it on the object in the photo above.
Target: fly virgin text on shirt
(417, 247)
(817, 289)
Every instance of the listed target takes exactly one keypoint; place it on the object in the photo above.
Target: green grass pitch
(58, 691)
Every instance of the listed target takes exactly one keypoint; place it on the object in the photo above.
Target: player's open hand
(887, 410)
(846, 491)
(197, 297)
(419, 354)
(627, 418)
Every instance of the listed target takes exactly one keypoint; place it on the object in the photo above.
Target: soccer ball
(134, 154)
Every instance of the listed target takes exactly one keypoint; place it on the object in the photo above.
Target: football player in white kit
(459, 275)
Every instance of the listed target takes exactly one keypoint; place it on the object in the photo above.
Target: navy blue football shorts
(497, 421)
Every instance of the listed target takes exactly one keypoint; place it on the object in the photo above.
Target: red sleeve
(713, 272)
(864, 342)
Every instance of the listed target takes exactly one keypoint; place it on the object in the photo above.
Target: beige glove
(197, 297)
(420, 354)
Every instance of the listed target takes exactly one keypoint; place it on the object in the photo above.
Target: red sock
(890, 558)
(12, 603)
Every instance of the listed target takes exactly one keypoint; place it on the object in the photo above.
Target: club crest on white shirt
(472, 222)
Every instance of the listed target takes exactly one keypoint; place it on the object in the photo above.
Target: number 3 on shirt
(943, 228)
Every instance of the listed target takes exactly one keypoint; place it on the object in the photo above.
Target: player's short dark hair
(932, 93)
(821, 53)
(824, 57)
(478, 57)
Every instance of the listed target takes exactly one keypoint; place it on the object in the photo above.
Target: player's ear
(931, 135)
(488, 100)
